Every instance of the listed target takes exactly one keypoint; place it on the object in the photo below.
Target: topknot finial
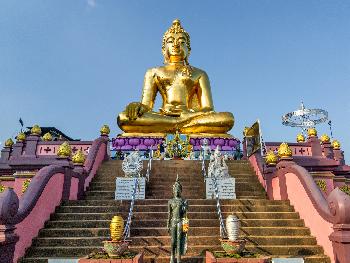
(177, 22)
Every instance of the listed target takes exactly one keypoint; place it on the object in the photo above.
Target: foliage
(244, 254)
(25, 185)
(102, 254)
(345, 189)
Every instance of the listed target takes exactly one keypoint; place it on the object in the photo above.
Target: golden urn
(284, 151)
(64, 150)
(36, 130)
(105, 130)
(271, 158)
(300, 137)
(325, 138)
(79, 158)
(21, 137)
(312, 132)
(117, 228)
(8, 143)
(336, 144)
(47, 137)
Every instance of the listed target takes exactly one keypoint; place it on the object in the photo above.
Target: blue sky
(75, 64)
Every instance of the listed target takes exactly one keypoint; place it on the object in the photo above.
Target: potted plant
(115, 250)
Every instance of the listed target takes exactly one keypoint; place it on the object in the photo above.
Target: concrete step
(163, 231)
(164, 208)
(164, 216)
(162, 223)
(300, 250)
(193, 259)
(151, 202)
(165, 241)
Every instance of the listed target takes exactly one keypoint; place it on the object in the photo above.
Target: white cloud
(91, 3)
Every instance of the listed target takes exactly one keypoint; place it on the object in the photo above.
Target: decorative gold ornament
(105, 130)
(116, 227)
(300, 137)
(79, 158)
(36, 130)
(284, 151)
(64, 150)
(245, 131)
(9, 143)
(21, 137)
(325, 138)
(312, 132)
(47, 137)
(2, 188)
(25, 185)
(157, 154)
(345, 189)
(336, 144)
(271, 158)
(178, 148)
(322, 185)
(187, 100)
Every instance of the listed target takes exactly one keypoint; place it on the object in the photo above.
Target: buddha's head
(176, 45)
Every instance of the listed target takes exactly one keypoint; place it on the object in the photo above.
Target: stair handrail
(204, 173)
(223, 231)
(213, 174)
(149, 165)
(126, 233)
(333, 211)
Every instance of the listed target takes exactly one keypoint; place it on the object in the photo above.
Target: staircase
(271, 227)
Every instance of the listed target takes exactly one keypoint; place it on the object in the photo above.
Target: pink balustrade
(21, 217)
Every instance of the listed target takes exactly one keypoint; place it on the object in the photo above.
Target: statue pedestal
(146, 142)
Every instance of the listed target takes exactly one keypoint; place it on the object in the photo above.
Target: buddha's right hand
(135, 110)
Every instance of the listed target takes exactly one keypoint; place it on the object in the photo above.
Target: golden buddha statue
(187, 101)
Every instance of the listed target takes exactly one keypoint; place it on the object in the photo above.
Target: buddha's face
(176, 46)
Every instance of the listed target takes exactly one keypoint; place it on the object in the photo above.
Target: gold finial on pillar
(21, 137)
(312, 132)
(47, 137)
(105, 130)
(300, 137)
(79, 158)
(8, 143)
(325, 138)
(336, 144)
(271, 158)
(284, 151)
(35, 130)
(64, 151)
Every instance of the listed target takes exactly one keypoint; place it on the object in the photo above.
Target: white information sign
(226, 187)
(287, 260)
(125, 187)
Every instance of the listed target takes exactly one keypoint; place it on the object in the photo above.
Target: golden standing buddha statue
(187, 101)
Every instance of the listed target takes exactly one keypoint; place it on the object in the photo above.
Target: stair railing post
(341, 242)
(9, 204)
